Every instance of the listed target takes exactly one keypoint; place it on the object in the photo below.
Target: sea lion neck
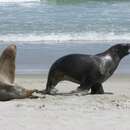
(111, 53)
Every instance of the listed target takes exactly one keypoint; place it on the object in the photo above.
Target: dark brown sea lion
(90, 71)
(8, 89)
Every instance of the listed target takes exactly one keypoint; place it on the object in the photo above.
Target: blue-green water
(45, 30)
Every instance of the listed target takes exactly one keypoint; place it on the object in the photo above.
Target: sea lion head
(121, 50)
(10, 52)
(7, 63)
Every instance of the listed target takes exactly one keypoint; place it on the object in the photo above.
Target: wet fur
(90, 71)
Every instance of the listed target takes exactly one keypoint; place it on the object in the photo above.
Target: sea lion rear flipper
(7, 63)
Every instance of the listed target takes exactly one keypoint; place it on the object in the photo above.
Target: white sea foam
(18, 1)
(63, 37)
(23, 3)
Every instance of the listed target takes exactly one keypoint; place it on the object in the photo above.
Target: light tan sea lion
(8, 89)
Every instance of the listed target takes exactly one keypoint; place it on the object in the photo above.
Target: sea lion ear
(7, 63)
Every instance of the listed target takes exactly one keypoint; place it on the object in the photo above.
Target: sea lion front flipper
(97, 89)
(7, 64)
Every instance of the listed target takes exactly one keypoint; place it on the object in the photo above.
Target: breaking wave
(65, 37)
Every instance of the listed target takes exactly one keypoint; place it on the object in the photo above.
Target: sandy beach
(44, 31)
(62, 112)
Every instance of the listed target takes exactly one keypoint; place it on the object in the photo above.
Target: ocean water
(45, 30)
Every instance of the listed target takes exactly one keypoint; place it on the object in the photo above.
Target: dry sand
(62, 112)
